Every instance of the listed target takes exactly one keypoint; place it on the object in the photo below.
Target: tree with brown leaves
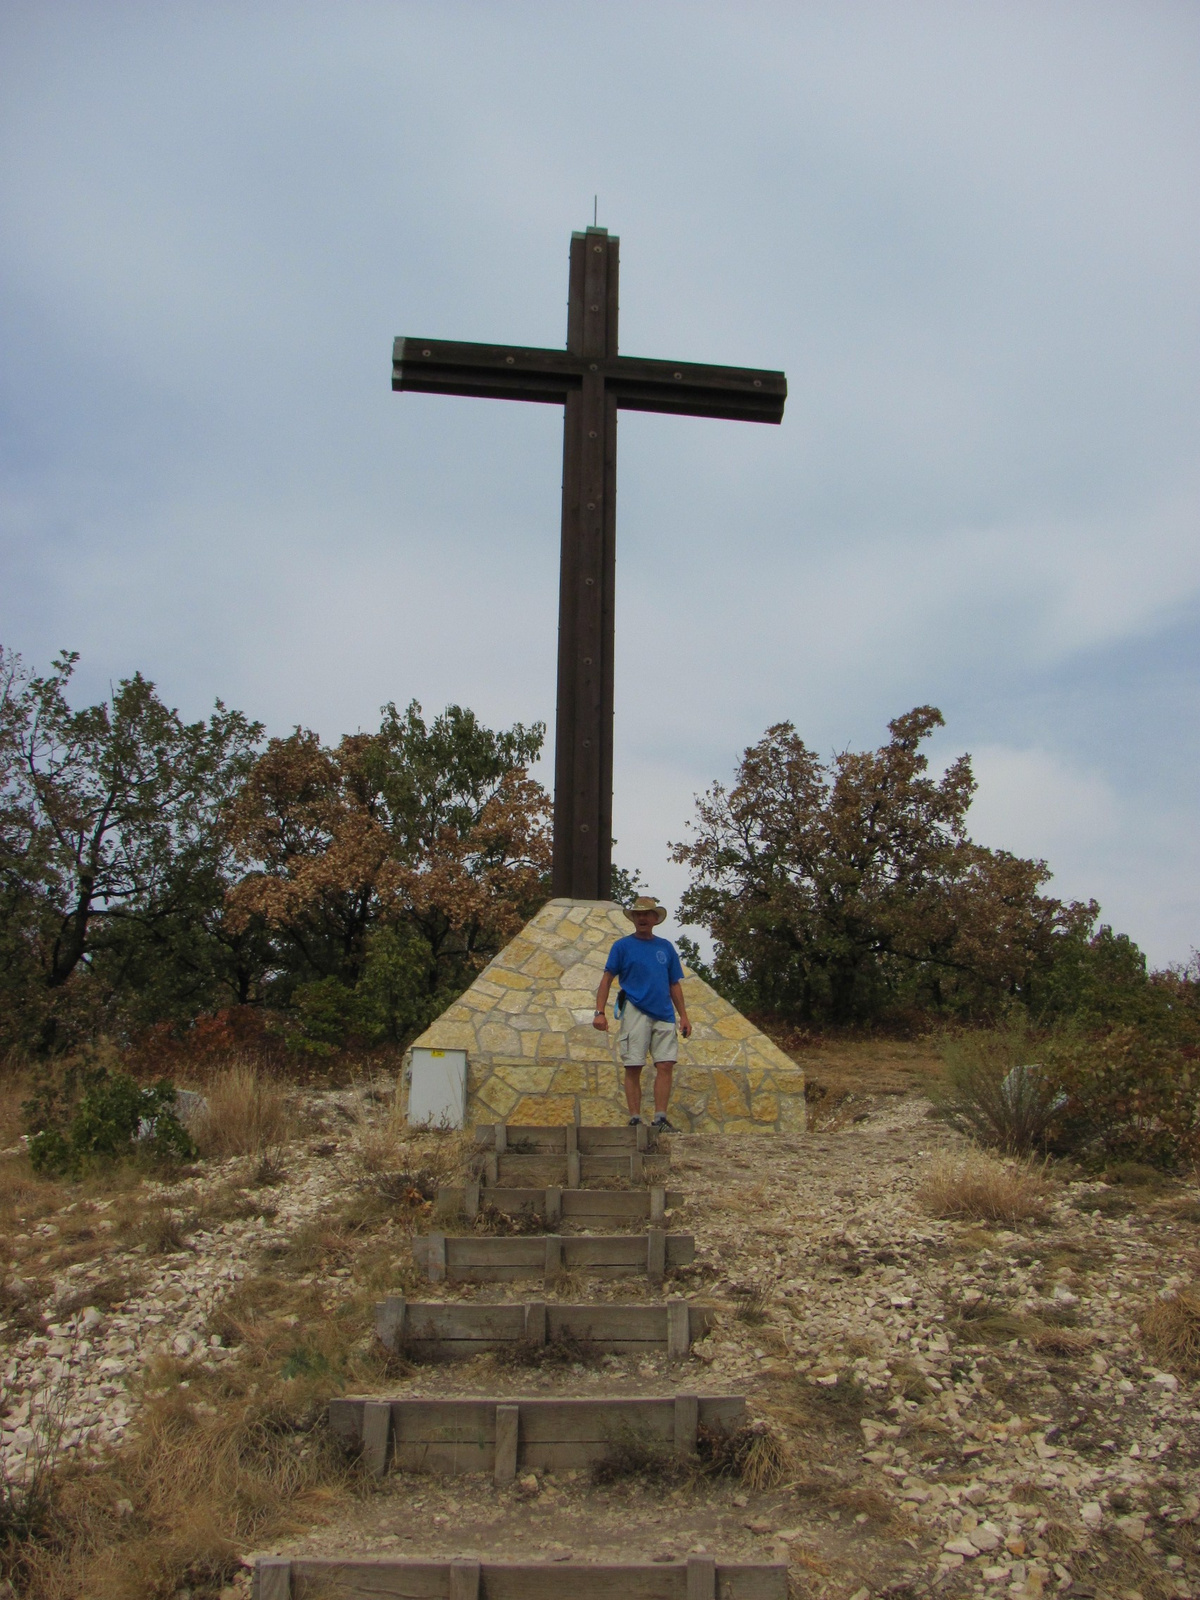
(841, 891)
(392, 866)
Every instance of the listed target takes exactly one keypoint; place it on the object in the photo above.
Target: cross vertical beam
(582, 866)
(591, 381)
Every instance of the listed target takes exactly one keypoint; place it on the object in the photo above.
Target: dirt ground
(844, 1318)
(964, 1407)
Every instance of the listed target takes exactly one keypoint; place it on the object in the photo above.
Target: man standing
(651, 992)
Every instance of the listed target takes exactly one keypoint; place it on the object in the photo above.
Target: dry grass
(238, 1457)
(14, 1091)
(389, 1149)
(753, 1455)
(1171, 1332)
(1064, 1343)
(979, 1188)
(248, 1113)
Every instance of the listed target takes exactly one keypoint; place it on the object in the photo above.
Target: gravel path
(931, 1450)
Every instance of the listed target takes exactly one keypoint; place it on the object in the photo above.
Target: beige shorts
(641, 1034)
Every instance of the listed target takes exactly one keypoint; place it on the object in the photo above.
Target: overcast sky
(967, 232)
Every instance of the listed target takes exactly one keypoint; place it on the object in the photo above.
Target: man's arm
(685, 1026)
(600, 1020)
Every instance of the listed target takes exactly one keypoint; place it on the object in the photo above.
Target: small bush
(631, 1455)
(1171, 1332)
(978, 1188)
(95, 1116)
(246, 1113)
(994, 1093)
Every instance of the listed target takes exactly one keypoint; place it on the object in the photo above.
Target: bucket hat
(647, 902)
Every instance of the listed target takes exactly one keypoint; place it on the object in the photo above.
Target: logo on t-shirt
(662, 957)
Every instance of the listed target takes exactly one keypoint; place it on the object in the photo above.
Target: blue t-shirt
(647, 968)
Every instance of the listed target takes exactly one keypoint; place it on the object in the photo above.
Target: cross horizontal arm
(515, 372)
(495, 371)
(740, 393)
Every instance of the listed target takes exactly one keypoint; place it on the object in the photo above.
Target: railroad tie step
(367, 1578)
(505, 1436)
(556, 1203)
(458, 1258)
(572, 1169)
(505, 1138)
(447, 1330)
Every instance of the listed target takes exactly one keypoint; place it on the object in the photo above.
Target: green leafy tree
(113, 860)
(837, 891)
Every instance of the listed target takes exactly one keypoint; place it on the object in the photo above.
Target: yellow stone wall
(534, 1058)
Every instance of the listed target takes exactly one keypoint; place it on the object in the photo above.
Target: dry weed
(751, 1302)
(490, 1220)
(979, 1188)
(1171, 1332)
(238, 1456)
(754, 1454)
(105, 1295)
(228, 1203)
(631, 1455)
(155, 1227)
(14, 1091)
(247, 1113)
(564, 1351)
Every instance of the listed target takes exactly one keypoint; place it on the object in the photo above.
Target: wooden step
(563, 1138)
(442, 1331)
(572, 1171)
(475, 1258)
(506, 1436)
(373, 1578)
(563, 1205)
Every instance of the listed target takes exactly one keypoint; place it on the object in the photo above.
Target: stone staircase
(505, 1436)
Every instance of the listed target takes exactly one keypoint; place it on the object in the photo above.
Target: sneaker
(635, 1122)
(661, 1125)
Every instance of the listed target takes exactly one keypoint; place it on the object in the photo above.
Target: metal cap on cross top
(592, 382)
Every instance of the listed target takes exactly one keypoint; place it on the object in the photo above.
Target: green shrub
(94, 1116)
(1124, 1094)
(1132, 1097)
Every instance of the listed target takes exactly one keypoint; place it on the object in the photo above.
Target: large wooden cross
(593, 382)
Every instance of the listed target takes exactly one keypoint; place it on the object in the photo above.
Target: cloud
(1138, 859)
(967, 234)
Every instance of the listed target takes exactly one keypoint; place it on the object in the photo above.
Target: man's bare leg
(662, 1085)
(633, 1090)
